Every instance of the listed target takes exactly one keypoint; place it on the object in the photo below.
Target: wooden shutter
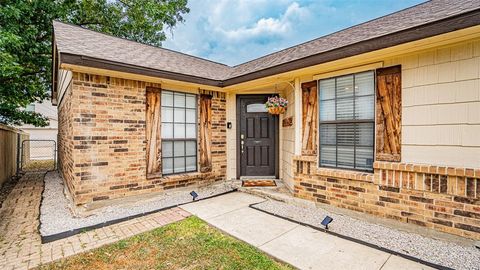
(309, 118)
(153, 132)
(389, 114)
(205, 133)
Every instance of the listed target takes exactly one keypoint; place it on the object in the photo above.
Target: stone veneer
(102, 140)
(441, 198)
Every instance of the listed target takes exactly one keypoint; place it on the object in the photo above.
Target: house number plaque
(287, 122)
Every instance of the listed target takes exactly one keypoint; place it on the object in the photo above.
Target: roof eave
(86, 61)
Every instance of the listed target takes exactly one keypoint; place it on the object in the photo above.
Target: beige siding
(287, 142)
(231, 137)
(441, 105)
(64, 80)
(44, 133)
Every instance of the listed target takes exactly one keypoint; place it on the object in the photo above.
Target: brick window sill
(335, 172)
(422, 168)
(347, 174)
(179, 177)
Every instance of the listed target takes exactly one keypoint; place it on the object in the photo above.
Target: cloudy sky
(235, 31)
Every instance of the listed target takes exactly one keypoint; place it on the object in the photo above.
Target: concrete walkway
(297, 245)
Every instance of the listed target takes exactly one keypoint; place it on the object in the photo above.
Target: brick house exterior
(102, 125)
(418, 161)
(435, 197)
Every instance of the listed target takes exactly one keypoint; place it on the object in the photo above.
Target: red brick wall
(102, 140)
(419, 195)
(219, 135)
(65, 138)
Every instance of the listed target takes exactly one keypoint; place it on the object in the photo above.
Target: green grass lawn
(188, 244)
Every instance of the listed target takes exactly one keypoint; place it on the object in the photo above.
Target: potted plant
(276, 105)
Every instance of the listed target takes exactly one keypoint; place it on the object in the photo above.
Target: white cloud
(263, 26)
(235, 31)
(266, 27)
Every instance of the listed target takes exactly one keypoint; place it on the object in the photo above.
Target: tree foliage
(26, 33)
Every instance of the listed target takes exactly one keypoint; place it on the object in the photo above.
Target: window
(30, 107)
(179, 132)
(347, 121)
(256, 107)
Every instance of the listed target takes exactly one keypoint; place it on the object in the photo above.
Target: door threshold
(273, 177)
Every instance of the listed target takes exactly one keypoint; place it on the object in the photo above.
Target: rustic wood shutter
(389, 114)
(309, 118)
(205, 133)
(153, 129)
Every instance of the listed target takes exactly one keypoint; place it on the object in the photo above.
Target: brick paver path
(20, 246)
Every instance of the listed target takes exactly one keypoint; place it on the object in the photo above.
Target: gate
(37, 155)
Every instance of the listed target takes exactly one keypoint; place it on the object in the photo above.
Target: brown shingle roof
(420, 21)
(71, 39)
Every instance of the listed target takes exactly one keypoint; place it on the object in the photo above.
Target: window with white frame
(179, 132)
(347, 121)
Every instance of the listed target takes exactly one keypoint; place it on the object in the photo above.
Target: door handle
(241, 143)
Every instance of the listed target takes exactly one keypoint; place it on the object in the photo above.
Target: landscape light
(194, 195)
(326, 221)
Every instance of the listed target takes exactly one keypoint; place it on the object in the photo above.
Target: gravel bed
(57, 217)
(432, 250)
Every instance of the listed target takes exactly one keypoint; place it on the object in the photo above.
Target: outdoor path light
(194, 195)
(326, 221)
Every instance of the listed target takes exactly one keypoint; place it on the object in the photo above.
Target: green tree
(26, 33)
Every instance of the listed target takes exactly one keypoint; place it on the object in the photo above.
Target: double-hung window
(179, 132)
(347, 121)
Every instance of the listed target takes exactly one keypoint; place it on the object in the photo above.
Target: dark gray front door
(257, 137)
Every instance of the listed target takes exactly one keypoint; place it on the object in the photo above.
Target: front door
(257, 137)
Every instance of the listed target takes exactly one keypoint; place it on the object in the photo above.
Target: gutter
(80, 60)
